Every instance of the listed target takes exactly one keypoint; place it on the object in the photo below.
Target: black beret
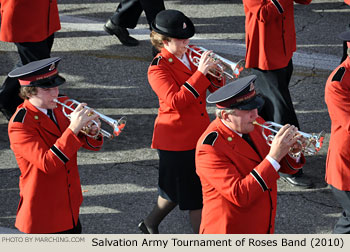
(174, 24)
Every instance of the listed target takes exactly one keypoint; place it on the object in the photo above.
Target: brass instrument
(233, 69)
(117, 125)
(310, 144)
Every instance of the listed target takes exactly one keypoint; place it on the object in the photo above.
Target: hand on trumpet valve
(207, 62)
(92, 128)
(82, 119)
(285, 139)
(296, 149)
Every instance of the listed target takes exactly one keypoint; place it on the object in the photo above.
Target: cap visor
(52, 83)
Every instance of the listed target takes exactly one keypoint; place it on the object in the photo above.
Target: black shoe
(121, 33)
(299, 180)
(144, 229)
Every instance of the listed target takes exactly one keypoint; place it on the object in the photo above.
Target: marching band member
(182, 117)
(337, 97)
(45, 143)
(271, 42)
(31, 26)
(237, 168)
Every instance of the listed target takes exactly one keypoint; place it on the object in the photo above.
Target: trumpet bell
(118, 126)
(314, 144)
(236, 68)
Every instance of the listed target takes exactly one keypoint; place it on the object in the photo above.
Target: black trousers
(343, 224)
(28, 52)
(129, 11)
(274, 87)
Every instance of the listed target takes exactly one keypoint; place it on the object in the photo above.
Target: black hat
(174, 24)
(345, 36)
(238, 94)
(40, 73)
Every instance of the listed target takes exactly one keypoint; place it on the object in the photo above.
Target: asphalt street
(119, 182)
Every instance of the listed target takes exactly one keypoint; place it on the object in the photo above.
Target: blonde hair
(157, 39)
(25, 92)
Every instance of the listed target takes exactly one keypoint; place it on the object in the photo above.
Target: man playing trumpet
(45, 143)
(237, 168)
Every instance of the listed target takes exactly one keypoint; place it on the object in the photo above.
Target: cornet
(233, 69)
(310, 144)
(116, 125)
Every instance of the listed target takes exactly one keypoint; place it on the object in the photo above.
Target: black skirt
(178, 181)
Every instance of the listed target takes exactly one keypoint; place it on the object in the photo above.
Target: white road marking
(300, 58)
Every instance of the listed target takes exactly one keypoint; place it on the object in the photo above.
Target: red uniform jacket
(337, 97)
(28, 20)
(239, 186)
(270, 33)
(50, 190)
(182, 115)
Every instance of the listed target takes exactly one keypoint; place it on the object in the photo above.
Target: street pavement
(119, 182)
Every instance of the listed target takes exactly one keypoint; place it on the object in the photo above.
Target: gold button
(170, 60)
(229, 139)
(36, 117)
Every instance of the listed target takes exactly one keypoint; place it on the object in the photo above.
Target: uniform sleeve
(29, 147)
(215, 83)
(176, 97)
(217, 170)
(338, 102)
(90, 143)
(268, 10)
(290, 166)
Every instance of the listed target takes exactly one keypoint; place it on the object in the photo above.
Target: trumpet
(309, 145)
(233, 69)
(117, 125)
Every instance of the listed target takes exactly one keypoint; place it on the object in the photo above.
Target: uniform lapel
(261, 144)
(176, 63)
(61, 119)
(43, 120)
(191, 64)
(237, 143)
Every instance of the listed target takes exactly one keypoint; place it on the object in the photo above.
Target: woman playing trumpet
(181, 89)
